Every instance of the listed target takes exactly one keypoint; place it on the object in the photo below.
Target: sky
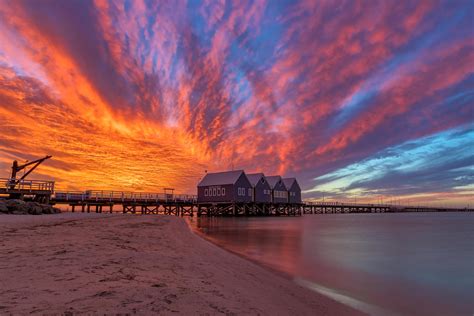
(359, 100)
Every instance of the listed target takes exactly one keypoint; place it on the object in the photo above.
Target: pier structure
(181, 204)
(229, 193)
(167, 204)
(336, 207)
(36, 190)
(249, 209)
(130, 202)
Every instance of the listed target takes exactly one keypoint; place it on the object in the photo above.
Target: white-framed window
(214, 191)
(239, 191)
(206, 192)
(223, 191)
(218, 191)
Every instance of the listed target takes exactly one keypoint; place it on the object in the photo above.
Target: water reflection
(273, 242)
(408, 264)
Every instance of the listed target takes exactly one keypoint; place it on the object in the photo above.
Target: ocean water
(383, 264)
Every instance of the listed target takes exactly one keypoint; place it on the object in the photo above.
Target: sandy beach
(90, 263)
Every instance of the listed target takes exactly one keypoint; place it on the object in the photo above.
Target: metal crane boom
(16, 168)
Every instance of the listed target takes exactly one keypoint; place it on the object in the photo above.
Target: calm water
(384, 264)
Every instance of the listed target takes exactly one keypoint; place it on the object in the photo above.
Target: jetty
(166, 203)
(230, 193)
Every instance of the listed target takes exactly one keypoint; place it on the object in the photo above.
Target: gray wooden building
(228, 186)
(294, 190)
(261, 192)
(279, 191)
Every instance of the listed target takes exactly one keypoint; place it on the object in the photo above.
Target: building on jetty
(233, 193)
(278, 189)
(228, 186)
(261, 191)
(294, 190)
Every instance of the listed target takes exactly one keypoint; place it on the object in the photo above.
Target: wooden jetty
(36, 190)
(130, 202)
(167, 204)
(337, 207)
(182, 204)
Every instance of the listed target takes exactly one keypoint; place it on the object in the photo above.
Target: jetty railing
(26, 185)
(331, 204)
(122, 196)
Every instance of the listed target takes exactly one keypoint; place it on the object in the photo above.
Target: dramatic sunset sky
(357, 99)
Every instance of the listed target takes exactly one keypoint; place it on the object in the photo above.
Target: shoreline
(269, 268)
(331, 293)
(108, 263)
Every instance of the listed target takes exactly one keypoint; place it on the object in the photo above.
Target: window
(239, 191)
(223, 191)
(206, 192)
(214, 191)
(218, 191)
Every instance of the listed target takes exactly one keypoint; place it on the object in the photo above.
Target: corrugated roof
(288, 182)
(255, 177)
(273, 180)
(220, 178)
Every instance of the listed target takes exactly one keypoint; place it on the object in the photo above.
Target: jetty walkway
(168, 203)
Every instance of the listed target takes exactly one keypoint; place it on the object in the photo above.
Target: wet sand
(94, 263)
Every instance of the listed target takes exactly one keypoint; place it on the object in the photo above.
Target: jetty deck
(38, 190)
(100, 201)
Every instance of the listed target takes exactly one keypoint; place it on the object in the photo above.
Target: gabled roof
(288, 182)
(273, 180)
(255, 177)
(220, 178)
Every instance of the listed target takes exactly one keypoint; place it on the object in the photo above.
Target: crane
(16, 168)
